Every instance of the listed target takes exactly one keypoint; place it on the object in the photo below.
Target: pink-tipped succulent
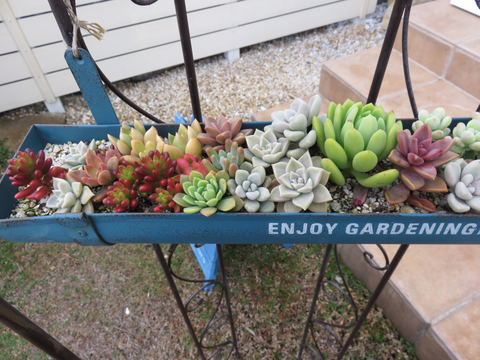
(153, 168)
(126, 171)
(164, 195)
(221, 129)
(122, 195)
(106, 154)
(35, 172)
(188, 164)
(96, 172)
(420, 156)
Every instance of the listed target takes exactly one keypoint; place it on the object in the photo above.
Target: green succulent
(355, 141)
(437, 121)
(70, 197)
(229, 159)
(206, 194)
(466, 138)
(251, 185)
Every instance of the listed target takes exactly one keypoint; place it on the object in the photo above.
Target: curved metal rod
(406, 68)
(218, 318)
(368, 257)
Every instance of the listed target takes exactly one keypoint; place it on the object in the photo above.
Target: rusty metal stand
(33, 333)
(225, 349)
(328, 328)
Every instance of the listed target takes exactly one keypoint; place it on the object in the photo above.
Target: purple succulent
(420, 156)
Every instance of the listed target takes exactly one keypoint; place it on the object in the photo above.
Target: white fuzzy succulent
(464, 182)
(251, 185)
(76, 159)
(265, 149)
(293, 123)
(437, 121)
(70, 197)
(302, 186)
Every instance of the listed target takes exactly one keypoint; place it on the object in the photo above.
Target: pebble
(407, 209)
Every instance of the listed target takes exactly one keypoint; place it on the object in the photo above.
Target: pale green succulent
(76, 158)
(71, 197)
(464, 182)
(206, 194)
(229, 159)
(265, 149)
(293, 123)
(302, 186)
(437, 121)
(466, 138)
(251, 185)
(356, 143)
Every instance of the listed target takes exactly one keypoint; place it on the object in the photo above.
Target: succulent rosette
(420, 156)
(206, 194)
(466, 138)
(135, 142)
(184, 141)
(437, 120)
(77, 156)
(302, 186)
(464, 183)
(217, 131)
(153, 168)
(96, 172)
(229, 159)
(293, 124)
(265, 149)
(122, 195)
(251, 185)
(70, 197)
(33, 171)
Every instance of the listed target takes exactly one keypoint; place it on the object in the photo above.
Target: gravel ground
(81, 295)
(266, 74)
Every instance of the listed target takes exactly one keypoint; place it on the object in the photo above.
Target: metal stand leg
(227, 298)
(331, 336)
(217, 319)
(31, 332)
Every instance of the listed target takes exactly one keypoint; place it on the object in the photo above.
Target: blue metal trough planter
(221, 228)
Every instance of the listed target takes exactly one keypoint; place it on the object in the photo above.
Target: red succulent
(122, 195)
(164, 195)
(153, 168)
(35, 172)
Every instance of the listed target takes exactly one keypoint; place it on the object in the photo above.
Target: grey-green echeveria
(206, 194)
(293, 123)
(437, 121)
(71, 197)
(302, 186)
(265, 149)
(466, 138)
(76, 158)
(463, 181)
(251, 185)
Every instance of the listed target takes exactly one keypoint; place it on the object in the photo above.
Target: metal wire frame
(218, 318)
(330, 335)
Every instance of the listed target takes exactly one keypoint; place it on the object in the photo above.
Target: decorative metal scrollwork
(200, 300)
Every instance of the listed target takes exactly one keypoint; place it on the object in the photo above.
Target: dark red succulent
(122, 195)
(35, 172)
(164, 195)
(153, 168)
(127, 171)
